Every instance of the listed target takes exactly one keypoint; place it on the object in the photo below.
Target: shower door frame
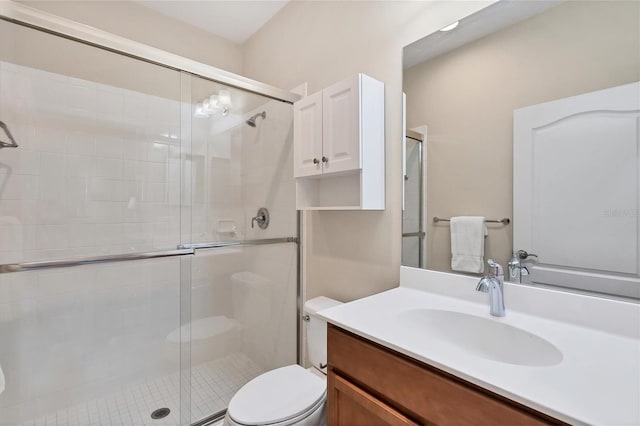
(420, 233)
(41, 21)
(36, 19)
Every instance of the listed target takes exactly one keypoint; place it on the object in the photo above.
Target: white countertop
(597, 382)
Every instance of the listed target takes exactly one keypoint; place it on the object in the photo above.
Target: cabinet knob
(325, 159)
(315, 161)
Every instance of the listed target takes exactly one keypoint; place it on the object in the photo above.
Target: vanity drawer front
(417, 390)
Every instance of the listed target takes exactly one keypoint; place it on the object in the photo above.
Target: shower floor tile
(212, 385)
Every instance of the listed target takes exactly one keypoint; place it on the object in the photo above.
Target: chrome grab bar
(182, 250)
(221, 244)
(66, 263)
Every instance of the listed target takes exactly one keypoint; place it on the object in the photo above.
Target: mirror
(463, 87)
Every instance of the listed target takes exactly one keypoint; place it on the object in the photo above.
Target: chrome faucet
(516, 268)
(494, 285)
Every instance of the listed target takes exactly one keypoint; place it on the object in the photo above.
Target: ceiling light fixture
(219, 103)
(450, 27)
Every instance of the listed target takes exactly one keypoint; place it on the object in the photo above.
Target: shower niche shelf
(338, 147)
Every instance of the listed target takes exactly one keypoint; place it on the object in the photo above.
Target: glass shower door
(138, 285)
(244, 296)
(95, 179)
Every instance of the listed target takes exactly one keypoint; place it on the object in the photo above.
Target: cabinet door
(341, 126)
(307, 136)
(351, 406)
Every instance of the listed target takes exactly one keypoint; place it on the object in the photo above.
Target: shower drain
(160, 413)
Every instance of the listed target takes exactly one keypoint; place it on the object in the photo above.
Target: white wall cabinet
(307, 128)
(339, 147)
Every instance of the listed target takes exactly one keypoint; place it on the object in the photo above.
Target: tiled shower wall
(237, 169)
(97, 172)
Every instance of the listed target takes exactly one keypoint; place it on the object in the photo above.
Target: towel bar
(504, 220)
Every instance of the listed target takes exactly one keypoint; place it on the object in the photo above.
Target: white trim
(21, 14)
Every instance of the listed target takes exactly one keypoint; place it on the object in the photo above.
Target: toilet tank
(317, 331)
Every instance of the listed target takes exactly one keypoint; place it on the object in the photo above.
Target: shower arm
(12, 143)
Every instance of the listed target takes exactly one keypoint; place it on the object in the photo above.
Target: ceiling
(235, 20)
(489, 20)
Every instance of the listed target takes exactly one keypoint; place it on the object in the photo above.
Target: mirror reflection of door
(576, 189)
(466, 84)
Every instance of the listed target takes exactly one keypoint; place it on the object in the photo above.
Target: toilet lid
(276, 396)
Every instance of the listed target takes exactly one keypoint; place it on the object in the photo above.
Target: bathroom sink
(483, 337)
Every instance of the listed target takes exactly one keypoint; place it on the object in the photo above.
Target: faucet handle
(496, 267)
(262, 218)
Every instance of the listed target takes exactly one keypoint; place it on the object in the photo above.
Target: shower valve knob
(262, 218)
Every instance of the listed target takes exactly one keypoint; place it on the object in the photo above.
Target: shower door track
(33, 18)
(183, 250)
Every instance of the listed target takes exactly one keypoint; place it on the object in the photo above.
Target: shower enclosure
(413, 235)
(134, 289)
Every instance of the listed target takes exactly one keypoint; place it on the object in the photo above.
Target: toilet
(289, 395)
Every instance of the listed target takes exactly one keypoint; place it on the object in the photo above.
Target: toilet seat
(280, 397)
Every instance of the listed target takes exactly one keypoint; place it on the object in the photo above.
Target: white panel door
(341, 126)
(576, 189)
(307, 136)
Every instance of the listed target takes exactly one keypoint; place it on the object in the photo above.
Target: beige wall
(347, 254)
(144, 25)
(350, 254)
(467, 98)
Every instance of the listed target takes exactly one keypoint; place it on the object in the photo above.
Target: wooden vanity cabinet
(369, 385)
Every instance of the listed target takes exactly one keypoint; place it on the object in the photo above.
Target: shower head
(252, 120)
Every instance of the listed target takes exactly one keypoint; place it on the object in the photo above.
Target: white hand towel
(467, 243)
